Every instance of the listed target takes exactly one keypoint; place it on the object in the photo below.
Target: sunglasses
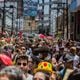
(24, 64)
(37, 79)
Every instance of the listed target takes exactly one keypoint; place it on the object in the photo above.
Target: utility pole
(49, 27)
(42, 19)
(67, 16)
(57, 21)
(12, 13)
(63, 21)
(17, 20)
(12, 28)
(3, 20)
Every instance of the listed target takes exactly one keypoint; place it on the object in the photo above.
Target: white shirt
(76, 61)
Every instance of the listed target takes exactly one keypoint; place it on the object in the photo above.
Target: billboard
(73, 5)
(30, 7)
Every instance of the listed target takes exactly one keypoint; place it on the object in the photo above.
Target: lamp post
(63, 23)
(67, 16)
(12, 13)
(3, 20)
(42, 19)
(57, 20)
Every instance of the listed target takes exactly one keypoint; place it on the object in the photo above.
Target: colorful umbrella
(41, 36)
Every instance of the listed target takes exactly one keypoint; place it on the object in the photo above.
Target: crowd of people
(39, 58)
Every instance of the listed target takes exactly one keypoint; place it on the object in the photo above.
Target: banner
(73, 5)
(30, 7)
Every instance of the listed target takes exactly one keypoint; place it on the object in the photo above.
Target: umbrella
(5, 59)
(41, 36)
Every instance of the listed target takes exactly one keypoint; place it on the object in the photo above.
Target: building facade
(75, 20)
(10, 11)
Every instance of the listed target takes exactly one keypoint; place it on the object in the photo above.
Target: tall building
(8, 14)
(75, 20)
(13, 11)
(44, 10)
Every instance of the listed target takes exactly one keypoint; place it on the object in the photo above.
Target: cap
(68, 58)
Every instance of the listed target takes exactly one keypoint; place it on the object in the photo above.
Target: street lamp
(57, 20)
(12, 13)
(3, 20)
(67, 17)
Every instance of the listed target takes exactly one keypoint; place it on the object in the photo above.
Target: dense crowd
(39, 58)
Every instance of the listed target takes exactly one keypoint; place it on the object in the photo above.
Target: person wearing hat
(21, 62)
(67, 69)
(42, 52)
(44, 68)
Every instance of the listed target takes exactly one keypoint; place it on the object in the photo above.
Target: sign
(73, 5)
(30, 7)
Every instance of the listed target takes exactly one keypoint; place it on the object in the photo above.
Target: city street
(39, 39)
